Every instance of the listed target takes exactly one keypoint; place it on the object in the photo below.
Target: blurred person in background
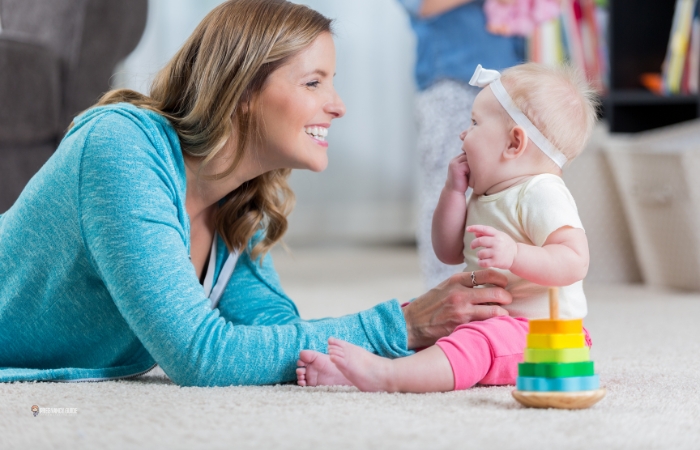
(452, 38)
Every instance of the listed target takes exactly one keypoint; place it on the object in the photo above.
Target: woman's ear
(245, 103)
(245, 106)
(517, 142)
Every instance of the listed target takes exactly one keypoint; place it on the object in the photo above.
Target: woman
(143, 240)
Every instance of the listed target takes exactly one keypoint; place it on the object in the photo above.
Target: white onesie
(529, 212)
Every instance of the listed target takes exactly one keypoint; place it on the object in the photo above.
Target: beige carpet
(646, 349)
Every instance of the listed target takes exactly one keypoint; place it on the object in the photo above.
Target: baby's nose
(462, 135)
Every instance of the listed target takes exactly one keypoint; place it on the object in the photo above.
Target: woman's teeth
(319, 133)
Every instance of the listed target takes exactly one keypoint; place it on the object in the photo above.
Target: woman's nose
(335, 107)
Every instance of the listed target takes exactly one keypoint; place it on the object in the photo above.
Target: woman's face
(296, 107)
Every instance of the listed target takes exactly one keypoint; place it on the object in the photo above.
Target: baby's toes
(301, 376)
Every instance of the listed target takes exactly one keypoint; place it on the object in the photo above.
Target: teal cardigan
(96, 281)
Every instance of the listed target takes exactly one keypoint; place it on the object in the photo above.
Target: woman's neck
(204, 191)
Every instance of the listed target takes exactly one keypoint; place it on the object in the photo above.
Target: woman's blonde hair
(557, 100)
(215, 77)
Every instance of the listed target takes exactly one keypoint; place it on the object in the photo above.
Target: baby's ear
(517, 142)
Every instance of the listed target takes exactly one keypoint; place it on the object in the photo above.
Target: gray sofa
(56, 60)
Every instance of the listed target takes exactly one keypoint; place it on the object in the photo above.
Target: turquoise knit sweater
(96, 281)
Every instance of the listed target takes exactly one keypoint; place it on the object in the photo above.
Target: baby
(520, 219)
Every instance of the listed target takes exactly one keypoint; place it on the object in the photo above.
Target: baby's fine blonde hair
(557, 100)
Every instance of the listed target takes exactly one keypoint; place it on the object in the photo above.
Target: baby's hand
(499, 249)
(458, 174)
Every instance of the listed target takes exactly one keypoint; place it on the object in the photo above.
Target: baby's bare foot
(367, 371)
(316, 369)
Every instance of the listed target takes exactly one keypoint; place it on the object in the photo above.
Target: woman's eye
(313, 84)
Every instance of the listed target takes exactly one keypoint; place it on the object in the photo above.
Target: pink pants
(487, 352)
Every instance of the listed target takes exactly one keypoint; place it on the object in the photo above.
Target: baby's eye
(473, 122)
(313, 84)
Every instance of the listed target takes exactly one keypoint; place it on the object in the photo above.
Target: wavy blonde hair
(219, 70)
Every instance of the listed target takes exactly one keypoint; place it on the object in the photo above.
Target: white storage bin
(590, 181)
(657, 174)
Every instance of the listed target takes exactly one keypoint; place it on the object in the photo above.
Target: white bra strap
(224, 278)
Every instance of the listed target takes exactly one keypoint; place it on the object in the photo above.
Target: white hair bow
(485, 77)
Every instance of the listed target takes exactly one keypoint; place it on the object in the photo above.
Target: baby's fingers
(484, 241)
(485, 254)
(482, 230)
(486, 263)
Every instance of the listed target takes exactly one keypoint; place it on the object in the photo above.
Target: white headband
(484, 77)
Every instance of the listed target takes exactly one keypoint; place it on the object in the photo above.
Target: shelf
(641, 97)
(638, 33)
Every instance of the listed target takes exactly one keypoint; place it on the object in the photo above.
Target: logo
(36, 410)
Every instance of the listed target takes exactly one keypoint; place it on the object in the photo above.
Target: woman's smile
(318, 133)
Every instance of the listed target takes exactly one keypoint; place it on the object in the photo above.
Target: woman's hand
(453, 302)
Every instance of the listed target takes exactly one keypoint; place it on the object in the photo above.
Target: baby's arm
(451, 213)
(561, 261)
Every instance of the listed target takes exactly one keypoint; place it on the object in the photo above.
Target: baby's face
(485, 141)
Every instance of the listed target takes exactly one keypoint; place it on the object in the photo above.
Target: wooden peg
(554, 303)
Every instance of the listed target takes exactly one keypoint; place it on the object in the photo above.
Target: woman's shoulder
(123, 130)
(121, 116)
(125, 144)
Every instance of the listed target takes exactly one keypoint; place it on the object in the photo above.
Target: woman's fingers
(485, 312)
(483, 277)
(453, 302)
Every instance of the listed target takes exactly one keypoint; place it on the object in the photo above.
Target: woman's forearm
(223, 354)
(436, 7)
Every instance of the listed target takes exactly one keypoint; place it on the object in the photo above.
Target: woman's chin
(317, 166)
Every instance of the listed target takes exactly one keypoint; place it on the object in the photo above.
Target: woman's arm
(429, 317)
(135, 229)
(430, 8)
(450, 215)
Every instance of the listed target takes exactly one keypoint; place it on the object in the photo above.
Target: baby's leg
(426, 371)
(486, 352)
(316, 369)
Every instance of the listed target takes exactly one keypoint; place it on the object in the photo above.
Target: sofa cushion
(29, 91)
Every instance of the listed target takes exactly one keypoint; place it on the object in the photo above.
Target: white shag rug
(646, 347)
